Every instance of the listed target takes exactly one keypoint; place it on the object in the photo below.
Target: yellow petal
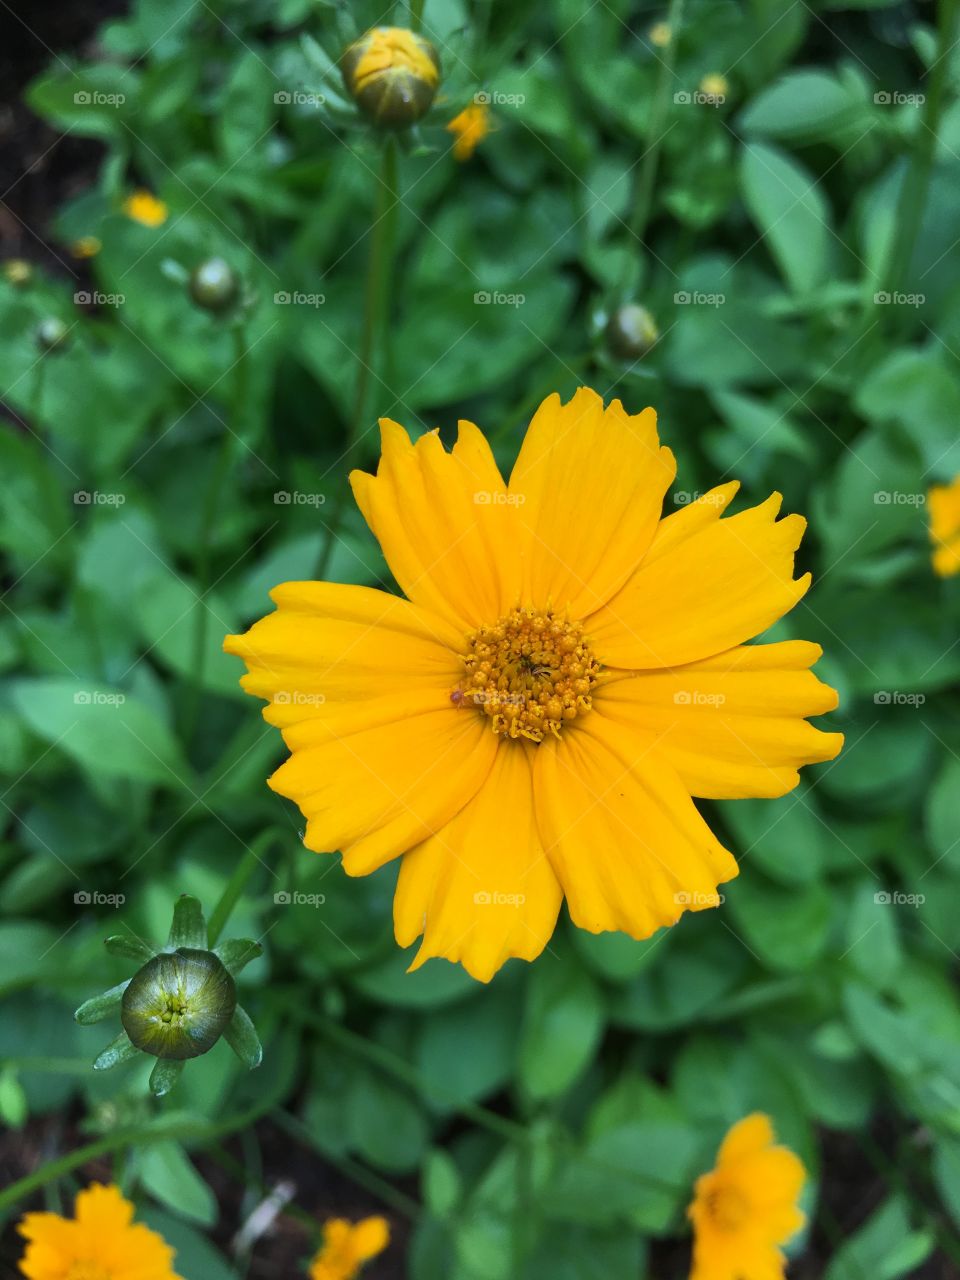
(378, 791)
(705, 593)
(748, 1136)
(481, 890)
(444, 523)
(349, 656)
(370, 1237)
(103, 1209)
(625, 839)
(589, 486)
(732, 725)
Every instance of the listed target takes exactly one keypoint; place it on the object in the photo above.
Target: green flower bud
(631, 331)
(51, 334)
(17, 271)
(214, 285)
(392, 74)
(179, 1004)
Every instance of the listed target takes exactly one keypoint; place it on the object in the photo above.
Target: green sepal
(189, 929)
(99, 1007)
(241, 1036)
(129, 947)
(236, 953)
(122, 1049)
(165, 1074)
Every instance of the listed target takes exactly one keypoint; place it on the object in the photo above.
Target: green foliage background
(550, 1124)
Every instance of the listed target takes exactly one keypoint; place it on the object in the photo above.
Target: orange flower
(747, 1206)
(347, 1246)
(943, 503)
(469, 128)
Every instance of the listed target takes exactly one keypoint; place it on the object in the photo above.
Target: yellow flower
(943, 502)
(469, 128)
(392, 74)
(17, 271)
(747, 1206)
(714, 85)
(145, 208)
(87, 246)
(660, 34)
(347, 1246)
(567, 671)
(99, 1243)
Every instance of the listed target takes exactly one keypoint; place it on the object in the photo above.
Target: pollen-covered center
(727, 1207)
(530, 673)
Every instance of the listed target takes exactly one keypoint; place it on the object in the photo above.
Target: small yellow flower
(86, 247)
(100, 1242)
(145, 208)
(469, 128)
(562, 644)
(747, 1206)
(392, 74)
(715, 85)
(943, 503)
(347, 1246)
(17, 271)
(660, 34)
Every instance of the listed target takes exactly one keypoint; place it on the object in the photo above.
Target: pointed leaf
(126, 945)
(236, 953)
(241, 1036)
(99, 1007)
(165, 1074)
(189, 928)
(117, 1051)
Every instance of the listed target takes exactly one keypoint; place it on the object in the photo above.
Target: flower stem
(211, 508)
(648, 168)
(374, 327)
(913, 194)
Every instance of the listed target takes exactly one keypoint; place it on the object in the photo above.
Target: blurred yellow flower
(943, 503)
(86, 247)
(17, 271)
(660, 34)
(347, 1246)
(714, 85)
(568, 670)
(100, 1242)
(747, 1206)
(145, 208)
(469, 128)
(392, 74)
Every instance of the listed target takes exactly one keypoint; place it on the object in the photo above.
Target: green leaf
(129, 947)
(442, 1188)
(99, 1007)
(790, 213)
(872, 936)
(188, 929)
(786, 928)
(119, 1050)
(241, 1036)
(467, 1052)
(562, 1026)
(104, 730)
(165, 1074)
(884, 1249)
(807, 104)
(237, 953)
(170, 1177)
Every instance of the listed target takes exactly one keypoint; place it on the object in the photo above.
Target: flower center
(530, 672)
(727, 1207)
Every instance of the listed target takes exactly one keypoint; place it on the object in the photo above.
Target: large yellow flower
(943, 502)
(347, 1246)
(100, 1242)
(567, 671)
(747, 1206)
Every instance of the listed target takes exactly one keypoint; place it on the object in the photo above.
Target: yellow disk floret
(530, 673)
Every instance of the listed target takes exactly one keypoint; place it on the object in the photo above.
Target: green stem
(416, 14)
(372, 343)
(648, 168)
(352, 1169)
(211, 508)
(235, 886)
(913, 195)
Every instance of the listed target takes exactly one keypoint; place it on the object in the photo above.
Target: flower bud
(17, 271)
(179, 1004)
(214, 285)
(51, 334)
(392, 74)
(631, 331)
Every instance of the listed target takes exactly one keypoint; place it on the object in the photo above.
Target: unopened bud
(392, 74)
(214, 285)
(631, 331)
(179, 1004)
